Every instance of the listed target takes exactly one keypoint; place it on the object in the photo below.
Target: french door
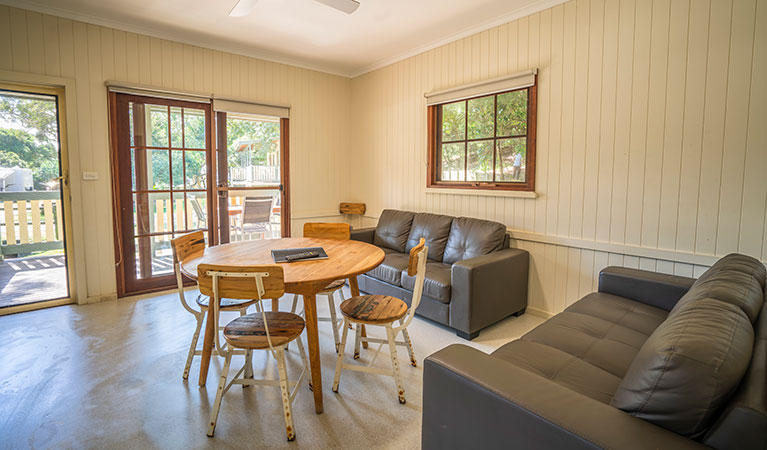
(163, 175)
(252, 177)
(169, 181)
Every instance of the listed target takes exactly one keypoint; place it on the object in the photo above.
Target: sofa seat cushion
(470, 238)
(390, 270)
(589, 347)
(434, 228)
(642, 318)
(393, 229)
(436, 283)
(561, 368)
(603, 343)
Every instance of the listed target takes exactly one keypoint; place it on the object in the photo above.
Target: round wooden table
(346, 259)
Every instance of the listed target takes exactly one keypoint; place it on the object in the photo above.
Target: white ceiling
(301, 32)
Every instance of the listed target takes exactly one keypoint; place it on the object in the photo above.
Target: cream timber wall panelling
(33, 45)
(651, 136)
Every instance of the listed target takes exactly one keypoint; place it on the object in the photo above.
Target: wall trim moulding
(482, 193)
(698, 259)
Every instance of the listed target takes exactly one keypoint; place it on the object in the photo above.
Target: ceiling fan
(245, 7)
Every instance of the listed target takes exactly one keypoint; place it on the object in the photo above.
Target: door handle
(63, 179)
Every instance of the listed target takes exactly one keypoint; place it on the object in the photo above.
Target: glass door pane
(250, 185)
(164, 177)
(33, 259)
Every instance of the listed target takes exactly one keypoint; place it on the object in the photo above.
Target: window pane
(176, 135)
(160, 255)
(253, 151)
(150, 169)
(512, 113)
(510, 162)
(196, 210)
(177, 168)
(158, 117)
(195, 170)
(153, 213)
(481, 117)
(179, 211)
(453, 157)
(454, 121)
(480, 163)
(194, 128)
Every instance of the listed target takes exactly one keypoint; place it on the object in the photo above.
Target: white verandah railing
(30, 222)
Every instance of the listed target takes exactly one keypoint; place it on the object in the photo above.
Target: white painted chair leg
(357, 340)
(219, 395)
(248, 366)
(410, 351)
(333, 320)
(339, 360)
(285, 390)
(395, 363)
(193, 345)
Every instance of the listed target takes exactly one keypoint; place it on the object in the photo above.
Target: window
(485, 142)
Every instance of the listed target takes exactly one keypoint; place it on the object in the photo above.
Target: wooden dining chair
(262, 330)
(339, 231)
(384, 311)
(184, 246)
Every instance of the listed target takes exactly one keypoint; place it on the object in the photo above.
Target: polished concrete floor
(108, 376)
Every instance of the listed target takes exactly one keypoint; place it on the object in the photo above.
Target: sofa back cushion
(743, 422)
(393, 229)
(735, 279)
(473, 237)
(689, 367)
(434, 228)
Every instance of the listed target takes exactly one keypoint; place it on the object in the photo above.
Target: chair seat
(249, 332)
(226, 303)
(374, 309)
(334, 286)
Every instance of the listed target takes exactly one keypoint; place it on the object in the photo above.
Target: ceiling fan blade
(347, 6)
(243, 8)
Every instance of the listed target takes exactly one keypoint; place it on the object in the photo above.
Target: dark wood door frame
(222, 185)
(127, 282)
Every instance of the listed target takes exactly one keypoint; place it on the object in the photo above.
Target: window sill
(482, 192)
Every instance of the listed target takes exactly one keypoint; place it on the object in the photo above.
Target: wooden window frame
(434, 143)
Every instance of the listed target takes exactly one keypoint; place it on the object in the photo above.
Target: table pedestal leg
(310, 309)
(275, 304)
(207, 347)
(355, 288)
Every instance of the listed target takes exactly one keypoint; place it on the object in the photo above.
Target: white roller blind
(243, 107)
(487, 87)
(136, 89)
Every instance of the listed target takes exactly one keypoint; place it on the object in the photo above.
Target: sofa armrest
(473, 400)
(652, 288)
(364, 234)
(488, 288)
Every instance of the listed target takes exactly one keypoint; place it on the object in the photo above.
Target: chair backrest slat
(241, 288)
(187, 244)
(327, 230)
(416, 267)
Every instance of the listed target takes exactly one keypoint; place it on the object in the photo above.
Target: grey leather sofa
(649, 361)
(473, 279)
